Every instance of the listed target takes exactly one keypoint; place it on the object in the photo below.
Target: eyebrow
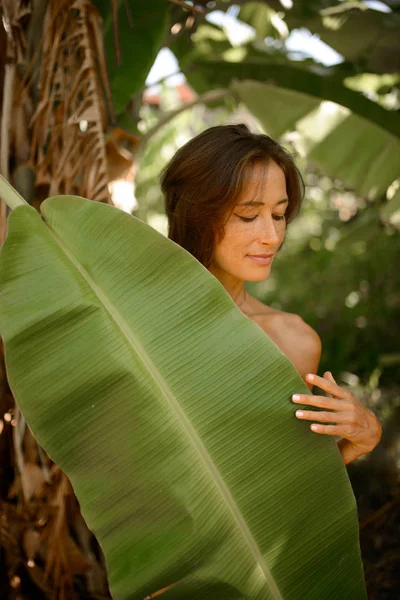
(256, 203)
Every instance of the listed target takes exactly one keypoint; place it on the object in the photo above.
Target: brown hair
(204, 178)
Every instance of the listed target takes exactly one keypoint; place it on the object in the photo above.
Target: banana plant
(340, 130)
(343, 144)
(133, 34)
(170, 412)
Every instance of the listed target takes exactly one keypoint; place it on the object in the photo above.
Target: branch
(193, 9)
(212, 96)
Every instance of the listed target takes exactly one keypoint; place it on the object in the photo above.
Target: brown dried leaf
(83, 114)
(120, 163)
(19, 126)
(70, 159)
(14, 488)
(64, 558)
(74, 559)
(32, 479)
(119, 135)
(30, 446)
(30, 543)
(36, 573)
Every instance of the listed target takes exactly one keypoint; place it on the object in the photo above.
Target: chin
(259, 274)
(254, 277)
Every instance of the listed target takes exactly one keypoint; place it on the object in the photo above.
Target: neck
(233, 285)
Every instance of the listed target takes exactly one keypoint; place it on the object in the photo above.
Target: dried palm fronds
(71, 118)
(43, 535)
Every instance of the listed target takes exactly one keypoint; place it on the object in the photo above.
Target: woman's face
(255, 228)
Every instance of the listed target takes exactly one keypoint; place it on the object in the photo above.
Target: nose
(270, 233)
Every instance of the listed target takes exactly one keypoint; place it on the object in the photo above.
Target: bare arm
(358, 426)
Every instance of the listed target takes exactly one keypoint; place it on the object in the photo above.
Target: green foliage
(262, 18)
(341, 130)
(368, 159)
(140, 33)
(390, 211)
(163, 146)
(170, 412)
(368, 38)
(209, 40)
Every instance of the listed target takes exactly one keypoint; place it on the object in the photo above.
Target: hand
(355, 423)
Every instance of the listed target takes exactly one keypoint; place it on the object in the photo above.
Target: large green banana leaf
(170, 412)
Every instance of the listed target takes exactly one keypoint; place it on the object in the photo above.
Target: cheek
(230, 248)
(239, 236)
(238, 233)
(281, 229)
(235, 239)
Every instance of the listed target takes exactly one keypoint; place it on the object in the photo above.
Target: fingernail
(314, 427)
(299, 413)
(310, 377)
(295, 397)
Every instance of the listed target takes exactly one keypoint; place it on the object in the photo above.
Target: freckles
(241, 238)
(243, 243)
(236, 237)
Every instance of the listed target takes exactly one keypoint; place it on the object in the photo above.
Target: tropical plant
(170, 412)
(71, 123)
(345, 133)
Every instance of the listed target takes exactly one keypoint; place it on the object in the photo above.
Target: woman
(229, 196)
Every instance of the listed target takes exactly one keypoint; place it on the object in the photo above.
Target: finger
(336, 430)
(328, 375)
(320, 401)
(327, 386)
(345, 431)
(323, 416)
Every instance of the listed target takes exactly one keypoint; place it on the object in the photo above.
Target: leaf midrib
(190, 431)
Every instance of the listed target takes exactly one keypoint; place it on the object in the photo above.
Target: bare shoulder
(290, 327)
(298, 340)
(298, 329)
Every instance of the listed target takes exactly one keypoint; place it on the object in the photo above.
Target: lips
(261, 255)
(261, 259)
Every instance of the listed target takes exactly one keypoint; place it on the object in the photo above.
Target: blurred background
(97, 95)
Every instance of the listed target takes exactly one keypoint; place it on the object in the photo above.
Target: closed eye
(250, 219)
(247, 219)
